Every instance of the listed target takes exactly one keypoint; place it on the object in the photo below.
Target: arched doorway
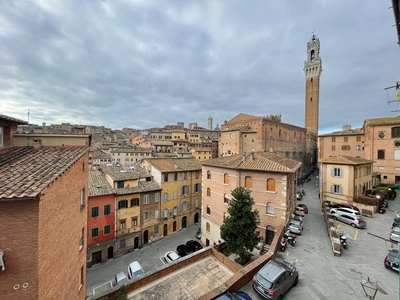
(196, 218)
(110, 252)
(136, 243)
(174, 226)
(146, 237)
(184, 222)
(269, 235)
(165, 233)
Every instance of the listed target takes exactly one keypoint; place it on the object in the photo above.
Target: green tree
(239, 228)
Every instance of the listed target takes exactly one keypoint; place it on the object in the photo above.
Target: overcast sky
(144, 64)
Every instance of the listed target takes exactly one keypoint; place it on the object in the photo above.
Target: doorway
(165, 230)
(110, 252)
(174, 226)
(184, 222)
(269, 235)
(136, 243)
(146, 237)
(196, 218)
(207, 242)
(96, 257)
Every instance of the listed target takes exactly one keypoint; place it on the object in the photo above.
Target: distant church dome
(217, 128)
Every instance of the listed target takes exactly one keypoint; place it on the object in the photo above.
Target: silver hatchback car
(275, 279)
(353, 220)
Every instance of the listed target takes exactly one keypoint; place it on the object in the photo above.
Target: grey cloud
(152, 63)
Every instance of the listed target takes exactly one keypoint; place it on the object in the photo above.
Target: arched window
(271, 185)
(270, 208)
(226, 199)
(248, 182)
(208, 210)
(208, 192)
(270, 133)
(208, 227)
(294, 134)
(226, 178)
(280, 133)
(208, 174)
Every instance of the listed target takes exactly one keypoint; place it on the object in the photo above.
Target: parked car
(194, 245)
(120, 278)
(332, 205)
(183, 250)
(353, 220)
(275, 279)
(134, 270)
(302, 207)
(295, 226)
(392, 260)
(239, 295)
(171, 256)
(396, 222)
(347, 211)
(395, 234)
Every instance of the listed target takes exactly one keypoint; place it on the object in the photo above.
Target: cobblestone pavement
(187, 283)
(325, 276)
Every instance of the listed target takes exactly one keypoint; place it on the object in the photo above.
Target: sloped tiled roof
(144, 186)
(355, 131)
(263, 161)
(11, 119)
(174, 164)
(25, 171)
(118, 173)
(383, 121)
(132, 151)
(345, 160)
(98, 185)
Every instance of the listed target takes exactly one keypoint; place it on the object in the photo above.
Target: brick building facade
(44, 203)
(272, 179)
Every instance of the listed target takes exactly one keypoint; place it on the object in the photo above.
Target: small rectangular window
(333, 139)
(333, 148)
(346, 138)
(95, 232)
(157, 197)
(120, 185)
(134, 221)
(107, 209)
(95, 211)
(107, 229)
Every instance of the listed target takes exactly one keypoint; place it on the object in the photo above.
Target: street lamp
(370, 288)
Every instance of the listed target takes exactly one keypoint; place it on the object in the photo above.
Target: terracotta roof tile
(174, 164)
(263, 161)
(383, 121)
(25, 172)
(345, 160)
(11, 119)
(118, 173)
(98, 185)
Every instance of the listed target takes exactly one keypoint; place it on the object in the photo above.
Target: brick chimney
(37, 144)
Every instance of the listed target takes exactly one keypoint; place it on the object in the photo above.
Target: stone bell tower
(312, 70)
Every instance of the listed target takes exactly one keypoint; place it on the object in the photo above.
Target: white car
(395, 234)
(134, 270)
(345, 211)
(171, 256)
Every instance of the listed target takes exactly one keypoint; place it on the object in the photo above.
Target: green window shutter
(107, 229)
(95, 211)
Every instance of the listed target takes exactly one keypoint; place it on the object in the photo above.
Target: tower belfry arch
(312, 71)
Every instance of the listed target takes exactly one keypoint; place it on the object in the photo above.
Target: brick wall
(18, 240)
(60, 227)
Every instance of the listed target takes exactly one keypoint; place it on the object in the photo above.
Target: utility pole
(28, 116)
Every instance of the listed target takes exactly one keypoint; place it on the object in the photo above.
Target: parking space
(325, 276)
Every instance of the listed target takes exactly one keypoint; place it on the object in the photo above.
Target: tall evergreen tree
(239, 228)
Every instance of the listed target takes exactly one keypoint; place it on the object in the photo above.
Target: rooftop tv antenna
(397, 87)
